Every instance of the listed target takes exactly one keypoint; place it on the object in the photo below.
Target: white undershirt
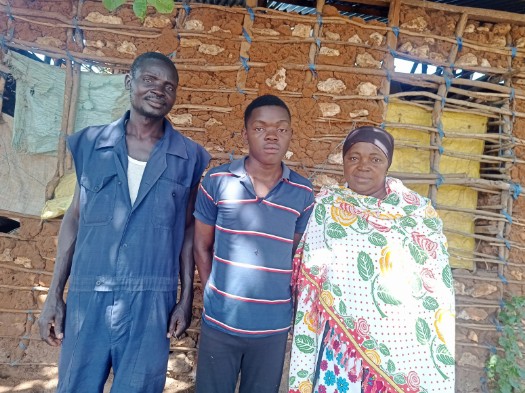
(135, 172)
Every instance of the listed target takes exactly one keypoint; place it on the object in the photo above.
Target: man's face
(152, 89)
(268, 132)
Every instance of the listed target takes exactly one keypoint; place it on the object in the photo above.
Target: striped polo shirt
(248, 292)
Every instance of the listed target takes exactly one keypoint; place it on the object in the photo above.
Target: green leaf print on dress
(386, 296)
(444, 356)
(392, 199)
(430, 303)
(422, 331)
(320, 213)
(305, 343)
(365, 266)
(417, 253)
(335, 231)
(377, 239)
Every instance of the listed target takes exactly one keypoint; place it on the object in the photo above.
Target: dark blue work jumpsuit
(124, 277)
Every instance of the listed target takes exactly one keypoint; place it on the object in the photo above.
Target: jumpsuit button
(99, 282)
(173, 194)
(125, 245)
(96, 188)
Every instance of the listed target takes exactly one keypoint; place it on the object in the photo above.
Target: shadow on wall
(7, 225)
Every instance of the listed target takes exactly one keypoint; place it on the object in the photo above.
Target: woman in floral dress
(375, 302)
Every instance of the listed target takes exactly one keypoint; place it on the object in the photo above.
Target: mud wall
(335, 73)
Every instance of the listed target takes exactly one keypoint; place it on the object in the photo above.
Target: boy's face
(268, 132)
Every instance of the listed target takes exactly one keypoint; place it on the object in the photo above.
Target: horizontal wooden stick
(25, 270)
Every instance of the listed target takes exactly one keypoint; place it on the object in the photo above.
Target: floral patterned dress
(375, 306)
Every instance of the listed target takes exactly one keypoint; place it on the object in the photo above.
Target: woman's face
(365, 167)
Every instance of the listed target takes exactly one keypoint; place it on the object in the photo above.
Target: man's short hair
(266, 100)
(144, 57)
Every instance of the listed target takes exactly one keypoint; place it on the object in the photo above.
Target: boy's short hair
(265, 100)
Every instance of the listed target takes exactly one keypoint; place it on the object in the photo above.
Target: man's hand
(51, 321)
(180, 319)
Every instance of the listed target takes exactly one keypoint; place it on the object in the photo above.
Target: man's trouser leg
(85, 356)
(262, 364)
(218, 362)
(222, 356)
(123, 330)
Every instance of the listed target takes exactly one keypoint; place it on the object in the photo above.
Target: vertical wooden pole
(2, 88)
(391, 42)
(437, 112)
(504, 227)
(245, 46)
(314, 49)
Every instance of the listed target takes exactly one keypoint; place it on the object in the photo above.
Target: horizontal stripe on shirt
(221, 174)
(243, 331)
(289, 209)
(248, 266)
(206, 193)
(248, 299)
(254, 233)
(226, 201)
(299, 185)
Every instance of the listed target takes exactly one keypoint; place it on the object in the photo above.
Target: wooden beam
(378, 3)
(483, 15)
(480, 14)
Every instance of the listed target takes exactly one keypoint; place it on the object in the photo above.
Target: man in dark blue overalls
(124, 242)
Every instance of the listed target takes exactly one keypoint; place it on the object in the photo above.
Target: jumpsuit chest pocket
(97, 198)
(170, 200)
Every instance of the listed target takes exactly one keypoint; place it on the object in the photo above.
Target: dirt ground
(44, 379)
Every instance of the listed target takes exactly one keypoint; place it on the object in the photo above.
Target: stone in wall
(473, 314)
(303, 31)
(421, 51)
(331, 85)
(355, 39)
(467, 60)
(189, 42)
(49, 41)
(473, 336)
(97, 17)
(210, 49)
(366, 89)
(329, 109)
(184, 119)
(336, 158)
(418, 24)
(326, 51)
(501, 28)
(483, 290)
(366, 60)
(194, 24)
(159, 22)
(217, 29)
(468, 359)
(278, 80)
(128, 48)
(264, 31)
(376, 39)
(324, 180)
(332, 36)
(358, 113)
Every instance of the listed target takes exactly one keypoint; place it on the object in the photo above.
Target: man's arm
(203, 250)
(181, 316)
(296, 239)
(51, 321)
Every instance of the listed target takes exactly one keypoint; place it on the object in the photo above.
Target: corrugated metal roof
(368, 11)
(516, 6)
